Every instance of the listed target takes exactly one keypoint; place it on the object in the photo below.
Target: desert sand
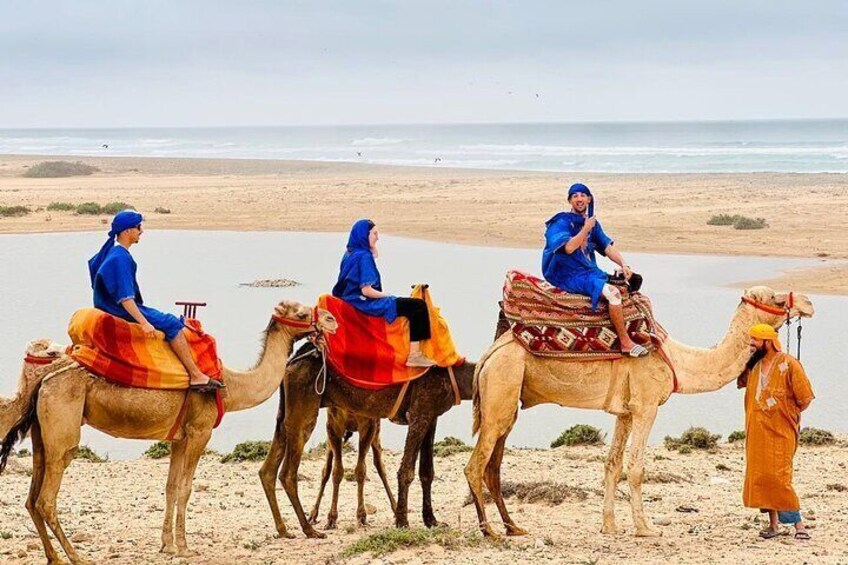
(807, 214)
(114, 509)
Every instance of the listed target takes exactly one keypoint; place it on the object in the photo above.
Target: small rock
(539, 544)
(201, 487)
(81, 537)
(662, 521)
(22, 553)
(370, 509)
(32, 546)
(686, 508)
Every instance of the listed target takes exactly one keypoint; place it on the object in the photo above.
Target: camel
(633, 389)
(341, 425)
(71, 396)
(39, 355)
(427, 398)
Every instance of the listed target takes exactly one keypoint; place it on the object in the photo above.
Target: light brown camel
(341, 424)
(633, 388)
(72, 396)
(39, 355)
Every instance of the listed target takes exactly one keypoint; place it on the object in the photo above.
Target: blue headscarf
(580, 187)
(358, 239)
(357, 245)
(123, 220)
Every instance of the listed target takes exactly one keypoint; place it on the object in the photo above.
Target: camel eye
(301, 315)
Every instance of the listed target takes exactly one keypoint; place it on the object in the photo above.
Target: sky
(119, 63)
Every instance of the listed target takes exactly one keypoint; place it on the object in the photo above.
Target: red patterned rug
(550, 322)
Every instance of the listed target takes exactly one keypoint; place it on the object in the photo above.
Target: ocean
(790, 146)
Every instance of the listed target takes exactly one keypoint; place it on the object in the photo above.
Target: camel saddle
(550, 322)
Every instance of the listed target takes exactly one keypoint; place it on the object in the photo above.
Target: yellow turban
(766, 332)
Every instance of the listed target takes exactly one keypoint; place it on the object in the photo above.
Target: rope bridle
(785, 311)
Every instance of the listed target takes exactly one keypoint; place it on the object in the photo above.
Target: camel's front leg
(196, 441)
(642, 423)
(325, 477)
(268, 476)
(414, 437)
(299, 423)
(35, 490)
(334, 444)
(426, 474)
(174, 470)
(612, 471)
(377, 450)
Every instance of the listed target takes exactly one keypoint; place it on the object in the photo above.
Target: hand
(590, 223)
(627, 272)
(149, 330)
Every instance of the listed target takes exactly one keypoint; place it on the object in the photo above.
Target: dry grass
(539, 491)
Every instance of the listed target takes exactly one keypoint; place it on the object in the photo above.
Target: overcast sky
(269, 62)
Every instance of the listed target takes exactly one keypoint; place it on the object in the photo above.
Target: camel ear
(780, 298)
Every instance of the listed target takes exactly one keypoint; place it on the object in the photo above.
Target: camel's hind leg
(268, 473)
(35, 490)
(614, 462)
(325, 476)
(377, 451)
(493, 481)
(334, 445)
(642, 423)
(366, 436)
(498, 389)
(174, 469)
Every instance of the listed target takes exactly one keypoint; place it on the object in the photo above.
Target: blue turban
(580, 187)
(123, 220)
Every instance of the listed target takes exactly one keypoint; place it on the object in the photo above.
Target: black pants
(415, 310)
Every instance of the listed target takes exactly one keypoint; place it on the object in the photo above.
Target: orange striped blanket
(370, 353)
(119, 351)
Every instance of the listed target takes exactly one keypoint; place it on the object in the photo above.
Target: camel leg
(414, 437)
(426, 474)
(299, 422)
(498, 406)
(174, 468)
(268, 477)
(377, 451)
(642, 423)
(493, 481)
(334, 444)
(325, 476)
(195, 444)
(35, 489)
(366, 436)
(612, 470)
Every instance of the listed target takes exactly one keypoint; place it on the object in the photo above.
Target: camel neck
(246, 389)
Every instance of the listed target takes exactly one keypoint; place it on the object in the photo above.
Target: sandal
(209, 386)
(769, 533)
(802, 535)
(637, 351)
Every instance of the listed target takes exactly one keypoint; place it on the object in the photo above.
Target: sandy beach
(228, 519)
(807, 214)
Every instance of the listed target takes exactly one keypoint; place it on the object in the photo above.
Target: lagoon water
(44, 279)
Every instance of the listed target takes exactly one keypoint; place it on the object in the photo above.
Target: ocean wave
(376, 141)
(634, 151)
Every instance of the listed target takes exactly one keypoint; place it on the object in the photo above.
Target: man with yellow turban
(776, 392)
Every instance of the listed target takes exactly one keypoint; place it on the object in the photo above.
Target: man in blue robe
(116, 292)
(568, 261)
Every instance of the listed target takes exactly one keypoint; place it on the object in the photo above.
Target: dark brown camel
(426, 399)
(341, 424)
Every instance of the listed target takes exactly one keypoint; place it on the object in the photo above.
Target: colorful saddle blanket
(550, 322)
(371, 353)
(119, 351)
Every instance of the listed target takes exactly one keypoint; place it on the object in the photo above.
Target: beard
(756, 355)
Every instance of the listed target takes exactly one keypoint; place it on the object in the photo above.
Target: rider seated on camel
(116, 292)
(568, 261)
(359, 284)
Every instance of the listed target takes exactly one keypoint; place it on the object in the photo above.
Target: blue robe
(576, 272)
(358, 269)
(115, 281)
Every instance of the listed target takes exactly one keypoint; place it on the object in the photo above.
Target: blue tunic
(115, 281)
(575, 272)
(358, 269)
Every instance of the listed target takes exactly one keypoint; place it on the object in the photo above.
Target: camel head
(772, 307)
(296, 315)
(44, 349)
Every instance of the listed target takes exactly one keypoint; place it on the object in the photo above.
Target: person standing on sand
(116, 292)
(359, 285)
(776, 392)
(569, 263)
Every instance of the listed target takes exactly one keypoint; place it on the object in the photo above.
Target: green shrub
(115, 207)
(23, 452)
(88, 454)
(684, 449)
(61, 207)
(158, 450)
(390, 540)
(580, 434)
(723, 220)
(5, 535)
(738, 435)
(56, 169)
(815, 436)
(744, 223)
(449, 446)
(14, 211)
(161, 210)
(838, 487)
(694, 438)
(248, 451)
(90, 208)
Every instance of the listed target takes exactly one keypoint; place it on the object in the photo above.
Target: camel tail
(21, 428)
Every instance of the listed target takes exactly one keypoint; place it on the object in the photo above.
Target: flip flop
(637, 351)
(802, 535)
(209, 386)
(769, 533)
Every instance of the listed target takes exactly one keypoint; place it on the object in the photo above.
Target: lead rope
(322, 375)
(798, 351)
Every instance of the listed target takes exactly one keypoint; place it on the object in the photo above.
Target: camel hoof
(363, 520)
(647, 533)
(185, 552)
(431, 522)
(610, 529)
(315, 534)
(330, 525)
(513, 530)
(313, 519)
(285, 534)
(168, 548)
